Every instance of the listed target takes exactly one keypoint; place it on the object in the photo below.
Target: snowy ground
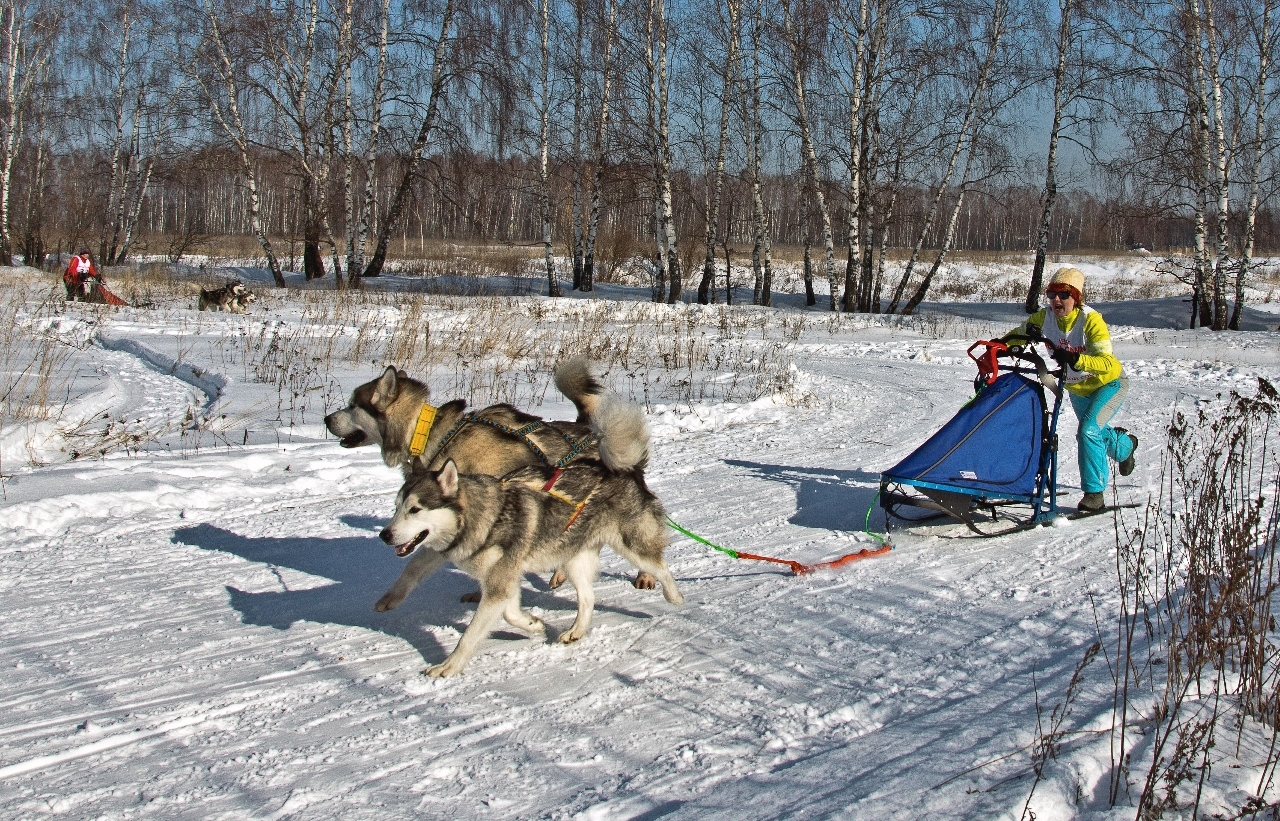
(189, 629)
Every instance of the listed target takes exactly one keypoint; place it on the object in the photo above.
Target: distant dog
(535, 520)
(394, 412)
(232, 297)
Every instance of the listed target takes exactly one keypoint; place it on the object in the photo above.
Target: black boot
(1126, 466)
(1091, 502)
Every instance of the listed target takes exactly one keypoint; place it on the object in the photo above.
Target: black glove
(1033, 331)
(1065, 357)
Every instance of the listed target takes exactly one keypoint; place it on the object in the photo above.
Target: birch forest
(343, 135)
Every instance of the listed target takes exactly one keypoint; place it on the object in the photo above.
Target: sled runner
(994, 466)
(1085, 514)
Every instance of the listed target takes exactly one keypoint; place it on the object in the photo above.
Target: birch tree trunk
(29, 34)
(1198, 94)
(806, 238)
(142, 182)
(869, 153)
(441, 60)
(655, 152)
(918, 297)
(115, 194)
(761, 251)
(579, 156)
(544, 143)
(359, 222)
(881, 252)
(980, 87)
(1032, 303)
(346, 65)
(666, 217)
(33, 236)
(598, 148)
(1260, 99)
(810, 156)
(706, 286)
(855, 42)
(1222, 182)
(232, 124)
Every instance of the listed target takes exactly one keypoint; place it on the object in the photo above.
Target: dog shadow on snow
(361, 568)
(826, 498)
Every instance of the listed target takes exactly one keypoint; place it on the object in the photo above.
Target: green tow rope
(698, 538)
(866, 525)
(796, 567)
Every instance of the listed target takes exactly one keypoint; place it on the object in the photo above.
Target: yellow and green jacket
(1084, 331)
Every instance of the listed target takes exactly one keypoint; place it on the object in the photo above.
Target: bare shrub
(1196, 658)
(614, 249)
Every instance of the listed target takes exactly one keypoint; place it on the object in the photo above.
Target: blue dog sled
(994, 466)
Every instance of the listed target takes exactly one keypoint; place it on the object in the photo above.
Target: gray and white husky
(535, 519)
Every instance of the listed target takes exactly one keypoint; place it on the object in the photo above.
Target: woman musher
(1094, 379)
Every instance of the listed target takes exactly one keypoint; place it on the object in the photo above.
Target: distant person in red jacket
(80, 269)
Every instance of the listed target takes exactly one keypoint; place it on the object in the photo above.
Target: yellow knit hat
(1073, 278)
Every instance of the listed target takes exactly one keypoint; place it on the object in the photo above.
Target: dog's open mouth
(408, 547)
(353, 440)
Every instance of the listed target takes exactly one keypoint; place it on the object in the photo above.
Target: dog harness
(576, 447)
(549, 489)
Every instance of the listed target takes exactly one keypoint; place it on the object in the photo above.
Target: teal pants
(1096, 439)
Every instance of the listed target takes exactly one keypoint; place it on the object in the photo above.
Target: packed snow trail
(190, 634)
(142, 396)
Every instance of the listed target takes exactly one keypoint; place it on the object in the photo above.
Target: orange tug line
(797, 568)
(555, 494)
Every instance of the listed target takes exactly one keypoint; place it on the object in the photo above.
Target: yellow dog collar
(418, 444)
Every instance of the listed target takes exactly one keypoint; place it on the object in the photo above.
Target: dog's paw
(557, 579)
(389, 601)
(443, 670)
(471, 598)
(571, 635)
(536, 626)
(644, 581)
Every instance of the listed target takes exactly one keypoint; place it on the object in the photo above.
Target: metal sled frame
(977, 509)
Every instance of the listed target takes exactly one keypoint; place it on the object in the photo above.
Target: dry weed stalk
(34, 357)
(1197, 579)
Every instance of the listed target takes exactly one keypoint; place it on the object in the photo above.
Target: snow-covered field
(188, 619)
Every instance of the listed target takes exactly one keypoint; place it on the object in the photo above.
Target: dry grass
(498, 349)
(34, 356)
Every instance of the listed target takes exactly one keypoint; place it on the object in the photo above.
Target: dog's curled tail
(623, 432)
(574, 380)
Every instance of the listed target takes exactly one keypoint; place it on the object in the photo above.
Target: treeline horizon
(193, 200)
(859, 129)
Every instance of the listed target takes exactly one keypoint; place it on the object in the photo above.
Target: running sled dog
(232, 297)
(394, 412)
(536, 519)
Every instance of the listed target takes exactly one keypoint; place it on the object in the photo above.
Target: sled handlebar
(988, 361)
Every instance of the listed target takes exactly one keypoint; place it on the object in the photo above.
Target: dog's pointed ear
(387, 389)
(448, 479)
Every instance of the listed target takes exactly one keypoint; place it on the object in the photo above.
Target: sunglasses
(1057, 294)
